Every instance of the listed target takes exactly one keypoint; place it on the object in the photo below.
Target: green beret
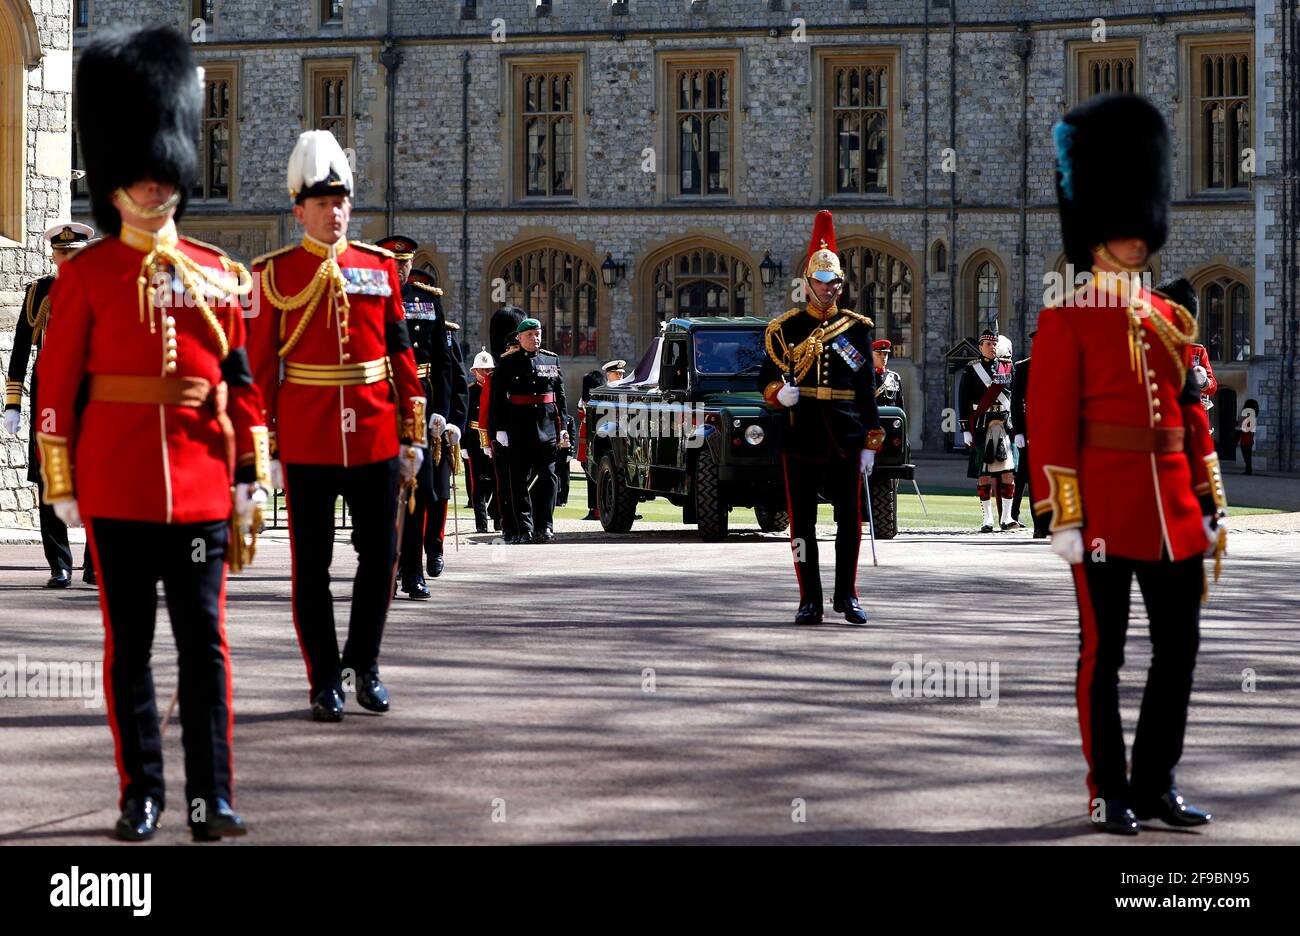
(527, 325)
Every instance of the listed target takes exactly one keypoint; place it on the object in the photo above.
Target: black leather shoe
(222, 822)
(88, 575)
(545, 536)
(481, 528)
(60, 579)
(851, 610)
(139, 820)
(327, 706)
(435, 566)
(1171, 809)
(1011, 525)
(414, 587)
(1118, 821)
(371, 694)
(522, 539)
(986, 529)
(810, 612)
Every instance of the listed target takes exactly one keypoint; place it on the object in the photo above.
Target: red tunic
(1140, 504)
(325, 424)
(161, 463)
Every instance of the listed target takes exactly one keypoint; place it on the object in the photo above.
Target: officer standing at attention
(527, 407)
(65, 239)
(818, 370)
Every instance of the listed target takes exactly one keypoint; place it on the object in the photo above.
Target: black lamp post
(611, 272)
(769, 269)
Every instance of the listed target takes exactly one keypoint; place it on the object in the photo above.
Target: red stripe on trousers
(108, 660)
(1087, 668)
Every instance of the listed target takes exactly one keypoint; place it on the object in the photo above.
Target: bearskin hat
(138, 104)
(1112, 175)
(1181, 292)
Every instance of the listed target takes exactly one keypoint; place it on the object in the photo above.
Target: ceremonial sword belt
(528, 399)
(424, 371)
(337, 375)
(1147, 439)
(131, 388)
(825, 393)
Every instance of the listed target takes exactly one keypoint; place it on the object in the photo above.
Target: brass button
(1146, 345)
(171, 343)
(1156, 417)
(1155, 403)
(171, 367)
(171, 321)
(1155, 387)
(1151, 373)
(347, 357)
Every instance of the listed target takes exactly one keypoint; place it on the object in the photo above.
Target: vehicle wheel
(884, 508)
(710, 509)
(615, 502)
(771, 520)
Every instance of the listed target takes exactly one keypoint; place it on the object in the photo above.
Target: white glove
(277, 474)
(1068, 544)
(248, 497)
(503, 439)
(437, 424)
(453, 433)
(487, 451)
(66, 510)
(1020, 440)
(13, 419)
(788, 395)
(866, 461)
(1202, 376)
(411, 460)
(1212, 533)
(967, 439)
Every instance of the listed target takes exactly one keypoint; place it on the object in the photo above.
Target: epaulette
(373, 248)
(782, 319)
(1022, 361)
(544, 351)
(205, 245)
(258, 261)
(453, 326)
(509, 351)
(82, 251)
(860, 317)
(426, 287)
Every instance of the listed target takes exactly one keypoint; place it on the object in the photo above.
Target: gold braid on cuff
(262, 456)
(875, 439)
(56, 467)
(414, 427)
(1063, 501)
(1215, 471)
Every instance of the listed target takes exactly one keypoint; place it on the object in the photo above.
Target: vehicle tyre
(884, 507)
(772, 520)
(710, 509)
(616, 503)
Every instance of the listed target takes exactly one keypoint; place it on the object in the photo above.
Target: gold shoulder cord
(1171, 335)
(809, 351)
(328, 276)
(193, 276)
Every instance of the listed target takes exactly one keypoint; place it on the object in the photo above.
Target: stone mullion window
(1226, 315)
(858, 103)
(702, 121)
(1222, 95)
(549, 101)
(216, 137)
(558, 288)
(331, 102)
(702, 281)
(879, 285)
(1110, 67)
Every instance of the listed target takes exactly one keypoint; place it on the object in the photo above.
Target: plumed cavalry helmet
(138, 102)
(823, 262)
(318, 166)
(1112, 175)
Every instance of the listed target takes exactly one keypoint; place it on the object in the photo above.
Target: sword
(871, 524)
(405, 500)
(455, 499)
(916, 487)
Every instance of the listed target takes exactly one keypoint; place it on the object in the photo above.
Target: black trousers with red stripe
(371, 495)
(840, 478)
(1172, 594)
(131, 557)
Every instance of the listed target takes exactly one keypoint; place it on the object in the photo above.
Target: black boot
(327, 706)
(139, 820)
(413, 585)
(810, 612)
(1118, 820)
(371, 694)
(60, 579)
(222, 822)
(1170, 808)
(850, 608)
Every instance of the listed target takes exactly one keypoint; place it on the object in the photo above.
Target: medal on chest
(366, 282)
(849, 352)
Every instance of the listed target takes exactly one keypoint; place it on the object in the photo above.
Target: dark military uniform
(889, 388)
(478, 467)
(29, 333)
(1020, 420)
(501, 331)
(439, 365)
(527, 403)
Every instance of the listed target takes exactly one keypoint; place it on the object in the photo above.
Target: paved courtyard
(651, 688)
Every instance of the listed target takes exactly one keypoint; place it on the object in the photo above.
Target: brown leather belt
(527, 399)
(1132, 438)
(173, 391)
(825, 393)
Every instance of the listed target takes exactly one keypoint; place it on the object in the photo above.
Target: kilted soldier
(479, 477)
(1124, 467)
(438, 365)
(527, 406)
(818, 370)
(65, 239)
(985, 422)
(348, 417)
(167, 463)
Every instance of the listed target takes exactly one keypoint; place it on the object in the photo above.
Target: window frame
(555, 252)
(825, 60)
(668, 65)
(848, 242)
(1230, 279)
(319, 69)
(229, 72)
(1084, 52)
(1194, 47)
(514, 137)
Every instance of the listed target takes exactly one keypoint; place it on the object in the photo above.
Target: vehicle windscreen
(720, 351)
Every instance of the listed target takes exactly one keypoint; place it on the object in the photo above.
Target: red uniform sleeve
(263, 346)
(1212, 386)
(60, 369)
(1198, 443)
(402, 362)
(244, 406)
(1055, 388)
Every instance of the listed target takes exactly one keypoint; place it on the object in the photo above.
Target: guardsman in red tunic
(65, 239)
(1124, 466)
(347, 418)
(151, 324)
(1181, 291)
(819, 369)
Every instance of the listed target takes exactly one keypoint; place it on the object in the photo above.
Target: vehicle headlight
(754, 435)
